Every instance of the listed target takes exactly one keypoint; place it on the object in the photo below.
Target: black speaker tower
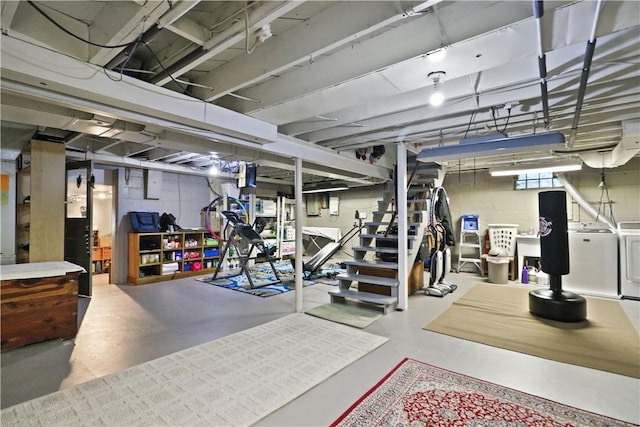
(554, 303)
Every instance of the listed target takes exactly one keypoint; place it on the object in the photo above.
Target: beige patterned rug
(498, 315)
(235, 380)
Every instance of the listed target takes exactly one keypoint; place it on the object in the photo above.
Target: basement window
(536, 181)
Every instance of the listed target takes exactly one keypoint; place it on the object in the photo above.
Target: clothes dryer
(629, 240)
(593, 263)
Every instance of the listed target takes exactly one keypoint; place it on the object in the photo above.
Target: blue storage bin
(470, 222)
(210, 252)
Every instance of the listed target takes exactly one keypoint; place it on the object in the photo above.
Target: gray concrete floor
(122, 326)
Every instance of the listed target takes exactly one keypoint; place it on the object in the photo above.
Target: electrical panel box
(152, 184)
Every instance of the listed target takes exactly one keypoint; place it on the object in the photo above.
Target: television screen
(252, 172)
(247, 175)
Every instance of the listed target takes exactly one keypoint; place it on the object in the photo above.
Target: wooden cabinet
(39, 302)
(155, 257)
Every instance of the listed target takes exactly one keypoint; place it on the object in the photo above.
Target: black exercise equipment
(554, 303)
(243, 239)
(314, 263)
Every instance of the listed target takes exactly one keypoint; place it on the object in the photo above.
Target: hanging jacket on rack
(442, 215)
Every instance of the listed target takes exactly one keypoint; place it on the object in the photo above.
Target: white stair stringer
(367, 270)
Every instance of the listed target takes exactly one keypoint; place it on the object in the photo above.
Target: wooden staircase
(369, 278)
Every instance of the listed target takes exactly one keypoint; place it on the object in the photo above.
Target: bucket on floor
(498, 270)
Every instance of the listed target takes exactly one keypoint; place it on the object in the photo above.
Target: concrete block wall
(182, 195)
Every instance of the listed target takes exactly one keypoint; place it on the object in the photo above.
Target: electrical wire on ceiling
(227, 19)
(495, 122)
(246, 26)
(117, 46)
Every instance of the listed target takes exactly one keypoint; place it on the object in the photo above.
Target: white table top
(38, 269)
(332, 233)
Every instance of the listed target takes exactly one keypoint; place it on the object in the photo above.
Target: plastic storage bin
(470, 222)
(503, 236)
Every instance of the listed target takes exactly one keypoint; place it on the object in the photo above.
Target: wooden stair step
(363, 296)
(382, 237)
(388, 250)
(375, 280)
(377, 264)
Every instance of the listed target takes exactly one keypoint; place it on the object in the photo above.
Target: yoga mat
(346, 314)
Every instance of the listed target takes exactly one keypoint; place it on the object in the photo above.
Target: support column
(298, 217)
(403, 231)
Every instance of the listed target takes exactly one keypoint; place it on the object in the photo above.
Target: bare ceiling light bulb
(437, 55)
(436, 99)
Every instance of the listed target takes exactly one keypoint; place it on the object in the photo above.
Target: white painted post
(298, 217)
(403, 232)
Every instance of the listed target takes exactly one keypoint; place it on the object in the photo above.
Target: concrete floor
(122, 326)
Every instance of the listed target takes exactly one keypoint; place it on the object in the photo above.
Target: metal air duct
(627, 148)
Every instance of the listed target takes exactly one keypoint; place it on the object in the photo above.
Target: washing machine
(629, 238)
(593, 263)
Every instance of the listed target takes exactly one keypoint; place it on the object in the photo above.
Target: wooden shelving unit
(156, 257)
(40, 199)
(282, 222)
(101, 259)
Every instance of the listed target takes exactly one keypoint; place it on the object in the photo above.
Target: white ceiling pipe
(583, 203)
(626, 149)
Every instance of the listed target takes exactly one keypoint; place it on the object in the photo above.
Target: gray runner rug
(235, 380)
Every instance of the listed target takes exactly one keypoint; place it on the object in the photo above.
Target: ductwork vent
(626, 149)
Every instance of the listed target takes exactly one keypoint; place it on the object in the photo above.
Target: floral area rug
(265, 283)
(415, 393)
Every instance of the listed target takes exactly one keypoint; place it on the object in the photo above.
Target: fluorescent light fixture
(492, 145)
(325, 190)
(537, 168)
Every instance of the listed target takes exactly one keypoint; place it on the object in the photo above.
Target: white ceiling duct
(627, 148)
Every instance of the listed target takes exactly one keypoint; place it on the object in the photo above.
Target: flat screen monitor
(248, 175)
